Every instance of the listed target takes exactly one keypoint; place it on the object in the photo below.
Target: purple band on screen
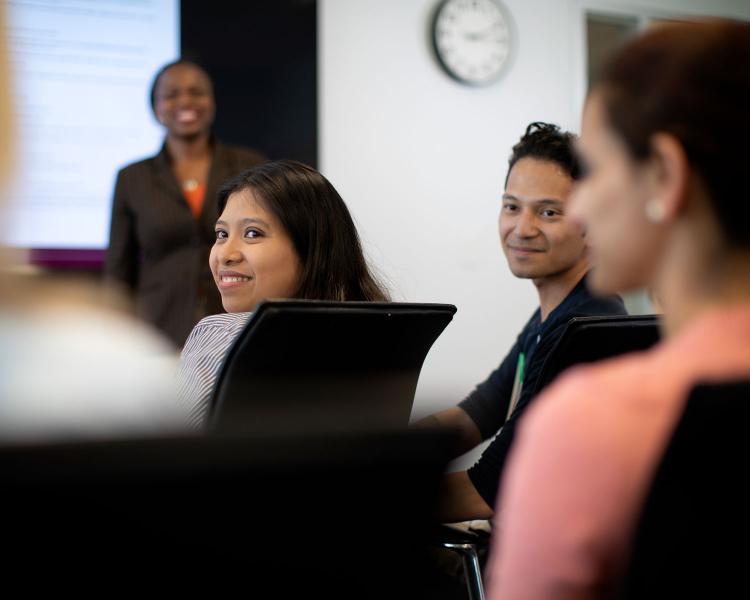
(67, 258)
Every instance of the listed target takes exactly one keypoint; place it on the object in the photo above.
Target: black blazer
(156, 247)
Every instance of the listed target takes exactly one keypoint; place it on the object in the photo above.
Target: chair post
(472, 572)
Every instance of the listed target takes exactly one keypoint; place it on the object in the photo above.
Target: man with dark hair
(542, 243)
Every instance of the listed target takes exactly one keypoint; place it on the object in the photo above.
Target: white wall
(421, 159)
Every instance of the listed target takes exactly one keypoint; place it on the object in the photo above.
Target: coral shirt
(587, 451)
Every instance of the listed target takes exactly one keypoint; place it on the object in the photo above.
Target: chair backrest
(692, 537)
(589, 339)
(326, 366)
(327, 516)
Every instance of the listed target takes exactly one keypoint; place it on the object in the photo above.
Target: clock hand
(479, 35)
(470, 35)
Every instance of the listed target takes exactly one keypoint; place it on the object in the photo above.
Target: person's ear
(671, 172)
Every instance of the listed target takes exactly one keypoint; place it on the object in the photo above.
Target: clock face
(472, 39)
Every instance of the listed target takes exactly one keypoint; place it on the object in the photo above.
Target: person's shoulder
(138, 165)
(247, 157)
(592, 401)
(105, 373)
(223, 322)
(213, 330)
(584, 303)
(137, 169)
(593, 306)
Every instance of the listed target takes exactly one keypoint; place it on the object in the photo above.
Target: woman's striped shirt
(201, 359)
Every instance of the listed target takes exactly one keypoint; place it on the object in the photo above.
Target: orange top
(195, 198)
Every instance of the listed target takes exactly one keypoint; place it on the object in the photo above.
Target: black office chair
(692, 537)
(277, 517)
(590, 339)
(301, 366)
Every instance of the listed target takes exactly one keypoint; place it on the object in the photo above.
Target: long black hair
(319, 225)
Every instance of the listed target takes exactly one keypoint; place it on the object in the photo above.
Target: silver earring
(655, 211)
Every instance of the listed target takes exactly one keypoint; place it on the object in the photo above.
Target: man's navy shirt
(488, 404)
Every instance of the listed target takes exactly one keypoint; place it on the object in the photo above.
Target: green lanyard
(517, 384)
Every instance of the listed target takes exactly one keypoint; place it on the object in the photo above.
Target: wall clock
(472, 39)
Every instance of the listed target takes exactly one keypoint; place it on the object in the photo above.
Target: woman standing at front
(164, 211)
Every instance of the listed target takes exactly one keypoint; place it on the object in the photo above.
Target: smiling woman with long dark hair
(283, 232)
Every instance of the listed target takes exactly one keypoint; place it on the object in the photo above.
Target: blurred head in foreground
(664, 142)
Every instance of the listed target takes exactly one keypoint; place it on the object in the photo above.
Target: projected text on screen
(81, 71)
